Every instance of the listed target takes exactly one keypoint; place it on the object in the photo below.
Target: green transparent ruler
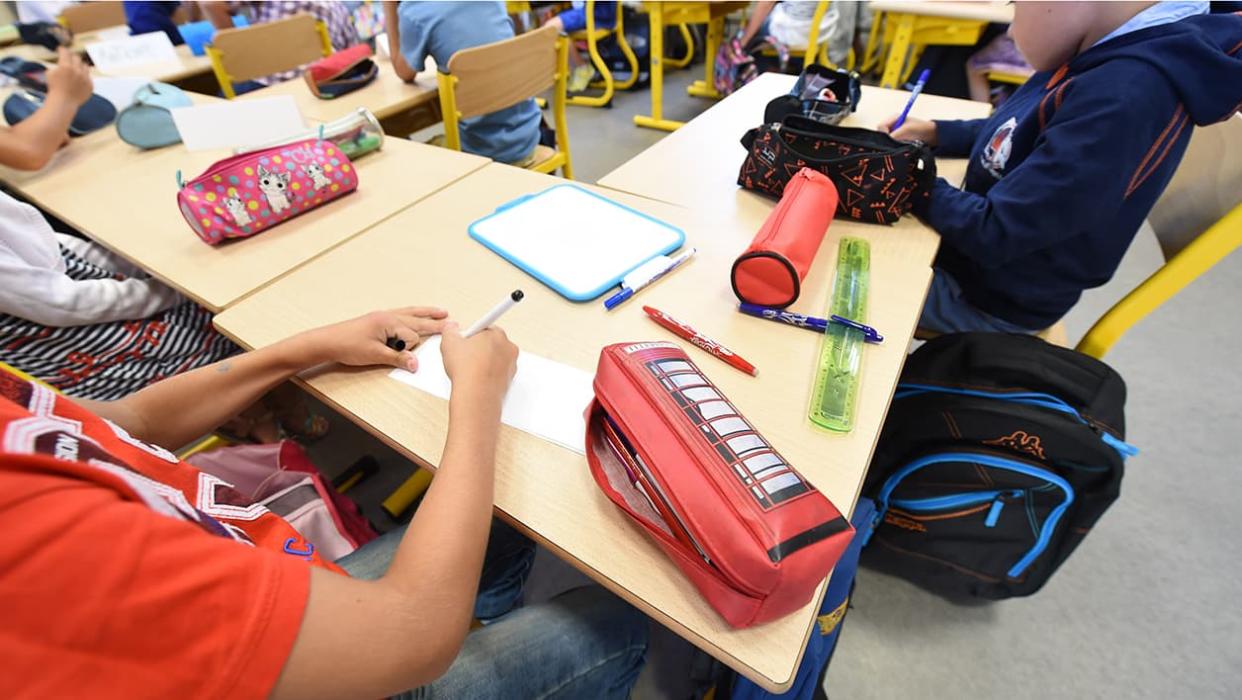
(835, 394)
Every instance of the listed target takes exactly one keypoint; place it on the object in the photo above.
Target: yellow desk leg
(707, 86)
(655, 15)
(897, 52)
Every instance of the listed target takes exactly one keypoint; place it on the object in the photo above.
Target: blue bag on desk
(147, 122)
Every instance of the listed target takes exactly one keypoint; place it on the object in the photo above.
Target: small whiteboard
(576, 242)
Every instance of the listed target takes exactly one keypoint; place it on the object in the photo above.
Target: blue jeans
(584, 643)
(946, 311)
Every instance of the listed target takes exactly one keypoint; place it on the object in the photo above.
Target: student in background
(417, 30)
(145, 16)
(844, 25)
(128, 572)
(574, 20)
(1063, 173)
(335, 15)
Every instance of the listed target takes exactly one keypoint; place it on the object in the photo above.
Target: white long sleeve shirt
(34, 286)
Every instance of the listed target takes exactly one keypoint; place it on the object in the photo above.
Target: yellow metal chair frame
(1192, 238)
(1004, 76)
(662, 14)
(219, 57)
(906, 35)
(1198, 257)
(448, 84)
(593, 36)
(688, 37)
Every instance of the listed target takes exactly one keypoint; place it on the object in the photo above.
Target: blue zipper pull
(994, 512)
(1123, 448)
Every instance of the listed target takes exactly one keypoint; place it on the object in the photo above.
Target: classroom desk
(130, 207)
(388, 95)
(662, 14)
(917, 24)
(186, 66)
(697, 165)
(545, 489)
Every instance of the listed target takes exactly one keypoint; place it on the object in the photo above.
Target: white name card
(124, 55)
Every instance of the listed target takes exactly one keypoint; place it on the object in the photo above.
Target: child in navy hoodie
(1062, 175)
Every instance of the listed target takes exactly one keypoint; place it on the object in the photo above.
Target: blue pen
(918, 87)
(818, 325)
(644, 278)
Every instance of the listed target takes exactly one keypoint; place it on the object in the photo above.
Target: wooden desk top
(187, 64)
(386, 96)
(130, 206)
(546, 489)
(697, 165)
(983, 10)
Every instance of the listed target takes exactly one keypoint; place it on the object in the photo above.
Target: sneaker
(580, 78)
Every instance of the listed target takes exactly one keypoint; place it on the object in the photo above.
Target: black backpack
(998, 455)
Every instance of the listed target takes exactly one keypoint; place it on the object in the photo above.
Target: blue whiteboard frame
(560, 289)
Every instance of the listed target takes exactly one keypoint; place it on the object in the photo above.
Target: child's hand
(912, 130)
(70, 78)
(482, 365)
(363, 341)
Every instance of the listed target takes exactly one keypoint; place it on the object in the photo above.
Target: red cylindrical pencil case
(665, 445)
(771, 271)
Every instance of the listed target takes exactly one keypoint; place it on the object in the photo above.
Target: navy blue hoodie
(1062, 175)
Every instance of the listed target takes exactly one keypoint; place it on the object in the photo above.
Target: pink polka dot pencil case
(249, 193)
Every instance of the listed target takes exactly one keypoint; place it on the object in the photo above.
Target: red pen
(717, 350)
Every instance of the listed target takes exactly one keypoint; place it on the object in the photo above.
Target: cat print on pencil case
(252, 192)
(237, 210)
(275, 187)
(316, 175)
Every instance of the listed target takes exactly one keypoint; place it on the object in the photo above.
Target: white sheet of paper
(238, 122)
(110, 33)
(119, 91)
(123, 55)
(546, 399)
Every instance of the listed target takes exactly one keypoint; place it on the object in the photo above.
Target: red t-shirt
(125, 572)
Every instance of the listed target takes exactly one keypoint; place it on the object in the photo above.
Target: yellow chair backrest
(1198, 221)
(89, 16)
(487, 78)
(246, 53)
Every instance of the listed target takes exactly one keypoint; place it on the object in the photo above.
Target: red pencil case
(666, 446)
(771, 271)
(249, 193)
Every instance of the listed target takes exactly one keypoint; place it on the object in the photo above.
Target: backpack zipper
(1029, 398)
(996, 497)
(1045, 531)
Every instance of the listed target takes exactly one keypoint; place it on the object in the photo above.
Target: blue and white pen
(914, 94)
(819, 325)
(644, 275)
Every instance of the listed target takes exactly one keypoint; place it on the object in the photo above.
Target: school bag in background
(999, 454)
